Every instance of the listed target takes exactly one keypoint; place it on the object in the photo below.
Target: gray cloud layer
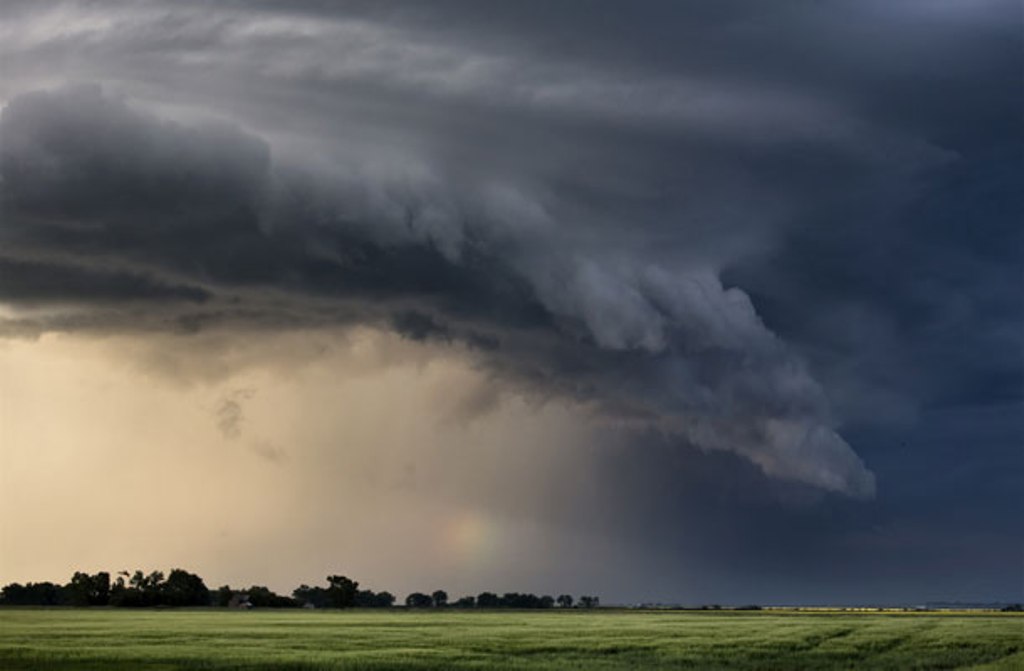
(588, 200)
(91, 184)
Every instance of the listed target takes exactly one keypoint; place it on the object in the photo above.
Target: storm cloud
(90, 178)
(767, 233)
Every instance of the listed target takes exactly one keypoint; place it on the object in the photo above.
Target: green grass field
(103, 639)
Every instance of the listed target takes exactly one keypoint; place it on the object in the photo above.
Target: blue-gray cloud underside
(750, 230)
(122, 205)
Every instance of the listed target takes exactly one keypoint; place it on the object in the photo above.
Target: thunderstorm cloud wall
(724, 295)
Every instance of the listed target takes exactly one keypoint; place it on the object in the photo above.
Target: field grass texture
(213, 639)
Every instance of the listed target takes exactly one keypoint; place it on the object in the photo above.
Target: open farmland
(101, 639)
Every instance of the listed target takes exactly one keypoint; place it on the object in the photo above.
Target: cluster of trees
(138, 589)
(181, 588)
(340, 592)
(33, 594)
(439, 599)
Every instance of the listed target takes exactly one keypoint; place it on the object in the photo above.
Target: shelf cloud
(135, 208)
(772, 240)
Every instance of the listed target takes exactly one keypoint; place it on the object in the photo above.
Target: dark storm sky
(777, 246)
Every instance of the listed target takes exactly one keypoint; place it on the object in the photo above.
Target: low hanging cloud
(632, 285)
(197, 224)
(675, 235)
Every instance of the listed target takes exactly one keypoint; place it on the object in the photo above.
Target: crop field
(101, 639)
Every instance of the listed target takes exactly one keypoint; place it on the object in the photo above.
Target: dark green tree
(118, 590)
(440, 598)
(88, 590)
(183, 589)
(78, 589)
(143, 589)
(418, 600)
(223, 596)
(367, 598)
(139, 590)
(315, 597)
(487, 600)
(341, 591)
(33, 594)
(263, 597)
(101, 588)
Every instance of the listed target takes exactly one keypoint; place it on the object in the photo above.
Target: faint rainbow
(470, 537)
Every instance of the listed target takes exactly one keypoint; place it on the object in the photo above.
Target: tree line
(181, 588)
(439, 599)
